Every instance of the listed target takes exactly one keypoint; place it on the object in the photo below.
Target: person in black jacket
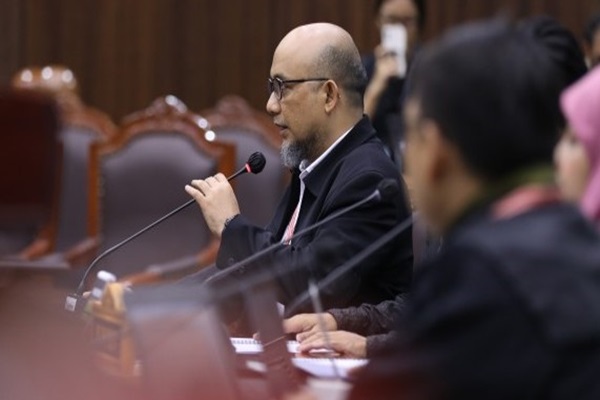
(510, 308)
(316, 99)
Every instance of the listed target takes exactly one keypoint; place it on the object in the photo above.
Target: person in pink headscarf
(578, 153)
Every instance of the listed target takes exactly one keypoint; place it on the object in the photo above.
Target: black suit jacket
(510, 309)
(351, 172)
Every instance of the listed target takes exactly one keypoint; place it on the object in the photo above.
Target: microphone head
(256, 162)
(387, 189)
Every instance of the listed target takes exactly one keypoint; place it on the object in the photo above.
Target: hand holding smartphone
(394, 39)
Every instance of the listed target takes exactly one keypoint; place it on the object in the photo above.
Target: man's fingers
(201, 185)
(194, 192)
(304, 336)
(299, 323)
(220, 177)
(211, 181)
(314, 341)
(291, 325)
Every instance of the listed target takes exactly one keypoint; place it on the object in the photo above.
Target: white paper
(323, 367)
(251, 346)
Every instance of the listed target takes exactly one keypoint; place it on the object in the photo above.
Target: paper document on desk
(251, 346)
(323, 367)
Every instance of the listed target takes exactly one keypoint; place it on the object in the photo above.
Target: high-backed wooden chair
(29, 159)
(139, 175)
(233, 121)
(80, 127)
(57, 81)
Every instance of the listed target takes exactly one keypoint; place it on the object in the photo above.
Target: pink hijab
(581, 106)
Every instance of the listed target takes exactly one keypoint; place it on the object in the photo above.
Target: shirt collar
(306, 168)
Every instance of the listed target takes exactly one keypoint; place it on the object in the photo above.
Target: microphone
(255, 164)
(386, 190)
(349, 265)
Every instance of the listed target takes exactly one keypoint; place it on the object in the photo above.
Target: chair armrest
(83, 252)
(38, 248)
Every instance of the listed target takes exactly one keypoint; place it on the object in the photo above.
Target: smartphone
(394, 39)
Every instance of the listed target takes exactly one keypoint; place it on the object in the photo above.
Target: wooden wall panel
(10, 31)
(443, 14)
(127, 52)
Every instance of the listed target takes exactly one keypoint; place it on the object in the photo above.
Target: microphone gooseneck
(336, 274)
(255, 164)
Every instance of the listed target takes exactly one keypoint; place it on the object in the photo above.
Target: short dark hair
(591, 28)
(421, 8)
(562, 48)
(345, 67)
(494, 93)
(561, 45)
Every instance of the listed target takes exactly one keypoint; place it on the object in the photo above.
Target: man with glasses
(316, 99)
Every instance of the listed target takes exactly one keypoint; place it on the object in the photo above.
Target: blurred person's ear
(436, 152)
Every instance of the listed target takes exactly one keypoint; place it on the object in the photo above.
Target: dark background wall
(127, 52)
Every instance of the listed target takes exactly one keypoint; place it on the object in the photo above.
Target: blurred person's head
(316, 84)
(483, 109)
(410, 13)
(577, 155)
(591, 38)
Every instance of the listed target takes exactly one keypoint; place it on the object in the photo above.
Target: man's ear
(439, 151)
(332, 95)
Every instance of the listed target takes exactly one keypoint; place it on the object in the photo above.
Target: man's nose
(273, 106)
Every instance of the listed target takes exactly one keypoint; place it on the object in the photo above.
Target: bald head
(319, 34)
(327, 50)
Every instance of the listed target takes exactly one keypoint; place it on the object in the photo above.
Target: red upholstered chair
(139, 175)
(233, 121)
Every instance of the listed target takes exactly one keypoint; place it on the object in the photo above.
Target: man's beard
(292, 153)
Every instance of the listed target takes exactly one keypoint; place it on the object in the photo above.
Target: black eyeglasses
(276, 85)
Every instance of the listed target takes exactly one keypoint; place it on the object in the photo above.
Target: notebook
(251, 346)
(314, 364)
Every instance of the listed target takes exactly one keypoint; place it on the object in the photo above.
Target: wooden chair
(29, 160)
(139, 175)
(57, 81)
(80, 127)
(234, 121)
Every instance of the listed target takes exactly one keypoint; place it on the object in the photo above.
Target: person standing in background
(591, 40)
(400, 23)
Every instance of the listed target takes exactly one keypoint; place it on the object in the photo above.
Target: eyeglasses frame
(282, 82)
